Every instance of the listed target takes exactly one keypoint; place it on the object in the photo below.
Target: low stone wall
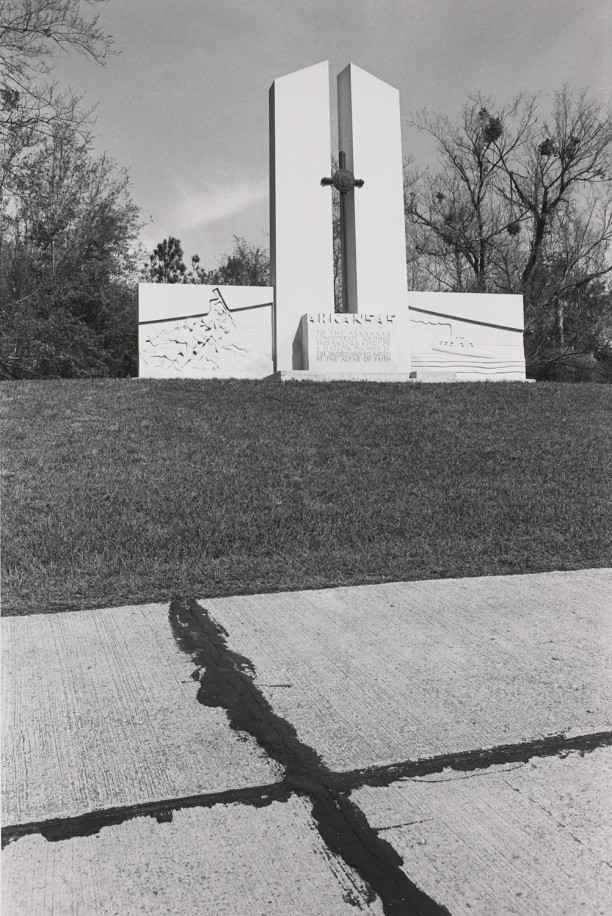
(192, 331)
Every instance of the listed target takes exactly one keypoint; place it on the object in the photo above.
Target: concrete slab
(230, 859)
(520, 840)
(384, 673)
(100, 710)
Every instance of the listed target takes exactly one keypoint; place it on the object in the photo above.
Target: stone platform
(305, 375)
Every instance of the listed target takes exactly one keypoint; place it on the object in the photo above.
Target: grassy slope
(118, 491)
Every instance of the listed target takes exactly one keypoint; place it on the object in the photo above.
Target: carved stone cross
(344, 181)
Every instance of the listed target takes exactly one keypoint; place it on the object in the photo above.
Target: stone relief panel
(463, 346)
(224, 338)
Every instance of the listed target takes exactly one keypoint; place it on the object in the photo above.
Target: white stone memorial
(291, 329)
(372, 218)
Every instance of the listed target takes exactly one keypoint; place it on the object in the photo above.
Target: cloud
(209, 204)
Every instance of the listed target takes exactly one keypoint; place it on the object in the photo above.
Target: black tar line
(64, 828)
(226, 681)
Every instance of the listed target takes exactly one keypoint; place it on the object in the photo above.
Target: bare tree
(31, 33)
(562, 162)
(459, 208)
(520, 204)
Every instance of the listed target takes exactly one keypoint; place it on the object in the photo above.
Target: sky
(184, 104)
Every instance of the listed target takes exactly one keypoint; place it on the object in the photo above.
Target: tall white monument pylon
(372, 210)
(374, 249)
(301, 245)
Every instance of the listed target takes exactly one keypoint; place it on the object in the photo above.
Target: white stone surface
(230, 860)
(196, 331)
(496, 309)
(474, 336)
(99, 709)
(167, 301)
(374, 343)
(510, 840)
(300, 209)
(370, 134)
(302, 375)
(384, 673)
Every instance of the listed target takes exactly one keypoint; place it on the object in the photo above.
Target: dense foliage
(69, 228)
(68, 294)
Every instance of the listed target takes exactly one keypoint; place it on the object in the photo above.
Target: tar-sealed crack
(227, 681)
(65, 828)
(466, 761)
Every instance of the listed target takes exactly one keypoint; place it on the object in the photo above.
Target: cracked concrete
(100, 710)
(420, 748)
(229, 859)
(532, 838)
(391, 672)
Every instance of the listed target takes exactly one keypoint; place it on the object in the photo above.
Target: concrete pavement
(419, 747)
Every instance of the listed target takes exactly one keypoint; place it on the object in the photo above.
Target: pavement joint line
(91, 822)
(464, 761)
(226, 680)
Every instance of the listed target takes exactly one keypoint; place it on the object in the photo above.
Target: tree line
(69, 228)
(519, 202)
(245, 265)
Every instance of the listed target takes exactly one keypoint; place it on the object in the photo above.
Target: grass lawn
(118, 491)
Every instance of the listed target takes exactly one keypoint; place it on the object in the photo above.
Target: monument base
(304, 375)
